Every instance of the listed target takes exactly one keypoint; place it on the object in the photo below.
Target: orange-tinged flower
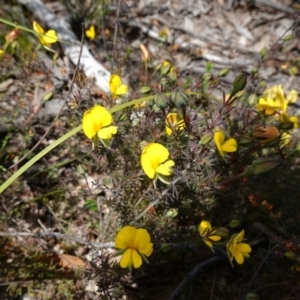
(116, 87)
(46, 38)
(156, 163)
(237, 250)
(207, 233)
(265, 134)
(136, 244)
(173, 123)
(224, 146)
(96, 124)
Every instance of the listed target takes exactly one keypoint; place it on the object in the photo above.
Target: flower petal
(214, 238)
(37, 28)
(126, 259)
(122, 90)
(204, 227)
(107, 132)
(219, 137)
(238, 256)
(50, 37)
(153, 155)
(243, 247)
(142, 242)
(125, 237)
(88, 125)
(240, 236)
(208, 243)
(165, 169)
(229, 146)
(137, 260)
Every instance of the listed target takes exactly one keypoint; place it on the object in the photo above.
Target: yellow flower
(96, 124)
(91, 32)
(116, 87)
(47, 38)
(272, 100)
(292, 96)
(268, 107)
(156, 163)
(222, 145)
(1, 52)
(236, 249)
(292, 120)
(172, 123)
(285, 139)
(207, 233)
(136, 244)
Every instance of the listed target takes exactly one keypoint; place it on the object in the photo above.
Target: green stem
(37, 157)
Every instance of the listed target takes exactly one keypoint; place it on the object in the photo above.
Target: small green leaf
(206, 138)
(239, 84)
(91, 205)
(223, 72)
(145, 89)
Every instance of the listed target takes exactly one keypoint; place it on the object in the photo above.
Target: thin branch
(222, 255)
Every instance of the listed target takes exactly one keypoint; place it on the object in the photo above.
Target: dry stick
(222, 255)
(161, 196)
(48, 232)
(58, 114)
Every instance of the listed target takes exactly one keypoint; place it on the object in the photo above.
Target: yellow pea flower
(136, 244)
(292, 120)
(91, 32)
(207, 233)
(292, 96)
(224, 146)
(172, 123)
(47, 38)
(96, 124)
(116, 87)
(156, 163)
(272, 100)
(286, 138)
(268, 106)
(237, 250)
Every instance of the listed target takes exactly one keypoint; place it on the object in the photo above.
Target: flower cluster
(274, 103)
(135, 244)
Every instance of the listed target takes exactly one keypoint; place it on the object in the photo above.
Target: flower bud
(179, 98)
(252, 296)
(262, 165)
(145, 89)
(290, 255)
(265, 134)
(239, 84)
(234, 223)
(161, 100)
(223, 72)
(223, 232)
